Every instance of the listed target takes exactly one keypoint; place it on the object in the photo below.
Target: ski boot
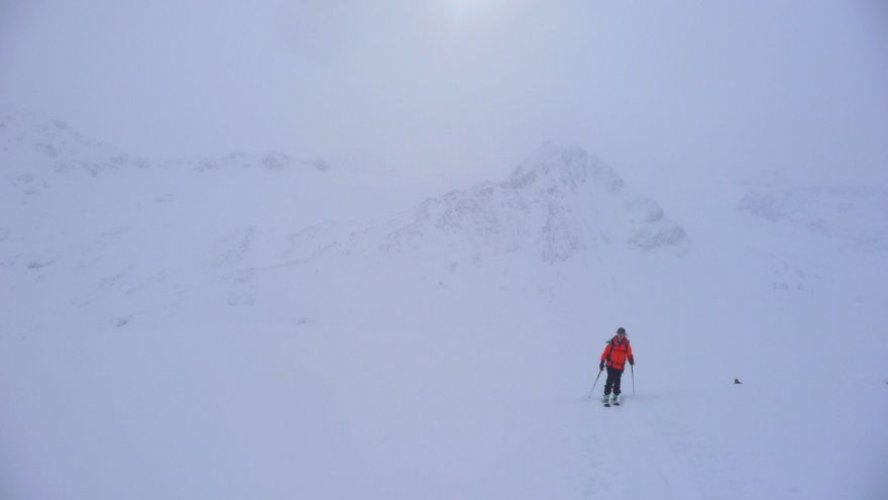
(615, 400)
(605, 400)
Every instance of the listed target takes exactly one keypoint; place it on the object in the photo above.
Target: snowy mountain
(561, 202)
(151, 230)
(853, 217)
(259, 326)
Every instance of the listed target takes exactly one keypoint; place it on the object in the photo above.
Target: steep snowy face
(560, 203)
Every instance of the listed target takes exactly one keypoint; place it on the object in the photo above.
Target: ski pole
(594, 384)
(632, 369)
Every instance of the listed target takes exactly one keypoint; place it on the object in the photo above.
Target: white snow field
(259, 326)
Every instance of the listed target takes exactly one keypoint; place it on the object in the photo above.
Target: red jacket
(617, 352)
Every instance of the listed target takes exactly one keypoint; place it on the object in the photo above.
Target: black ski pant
(613, 381)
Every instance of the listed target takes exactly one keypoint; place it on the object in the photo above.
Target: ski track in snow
(633, 458)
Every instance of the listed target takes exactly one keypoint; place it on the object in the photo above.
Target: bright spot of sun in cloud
(466, 7)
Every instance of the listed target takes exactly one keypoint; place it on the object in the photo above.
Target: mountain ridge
(170, 230)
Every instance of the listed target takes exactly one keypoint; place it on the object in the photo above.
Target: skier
(616, 353)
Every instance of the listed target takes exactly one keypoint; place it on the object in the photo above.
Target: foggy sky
(466, 88)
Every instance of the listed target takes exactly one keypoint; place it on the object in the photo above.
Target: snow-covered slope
(256, 326)
(92, 226)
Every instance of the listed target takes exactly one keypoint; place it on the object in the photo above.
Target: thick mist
(451, 88)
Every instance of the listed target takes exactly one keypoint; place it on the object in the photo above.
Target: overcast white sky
(463, 87)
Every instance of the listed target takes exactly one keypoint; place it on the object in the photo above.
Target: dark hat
(621, 330)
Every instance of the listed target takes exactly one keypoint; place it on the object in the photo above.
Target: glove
(601, 366)
(631, 361)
